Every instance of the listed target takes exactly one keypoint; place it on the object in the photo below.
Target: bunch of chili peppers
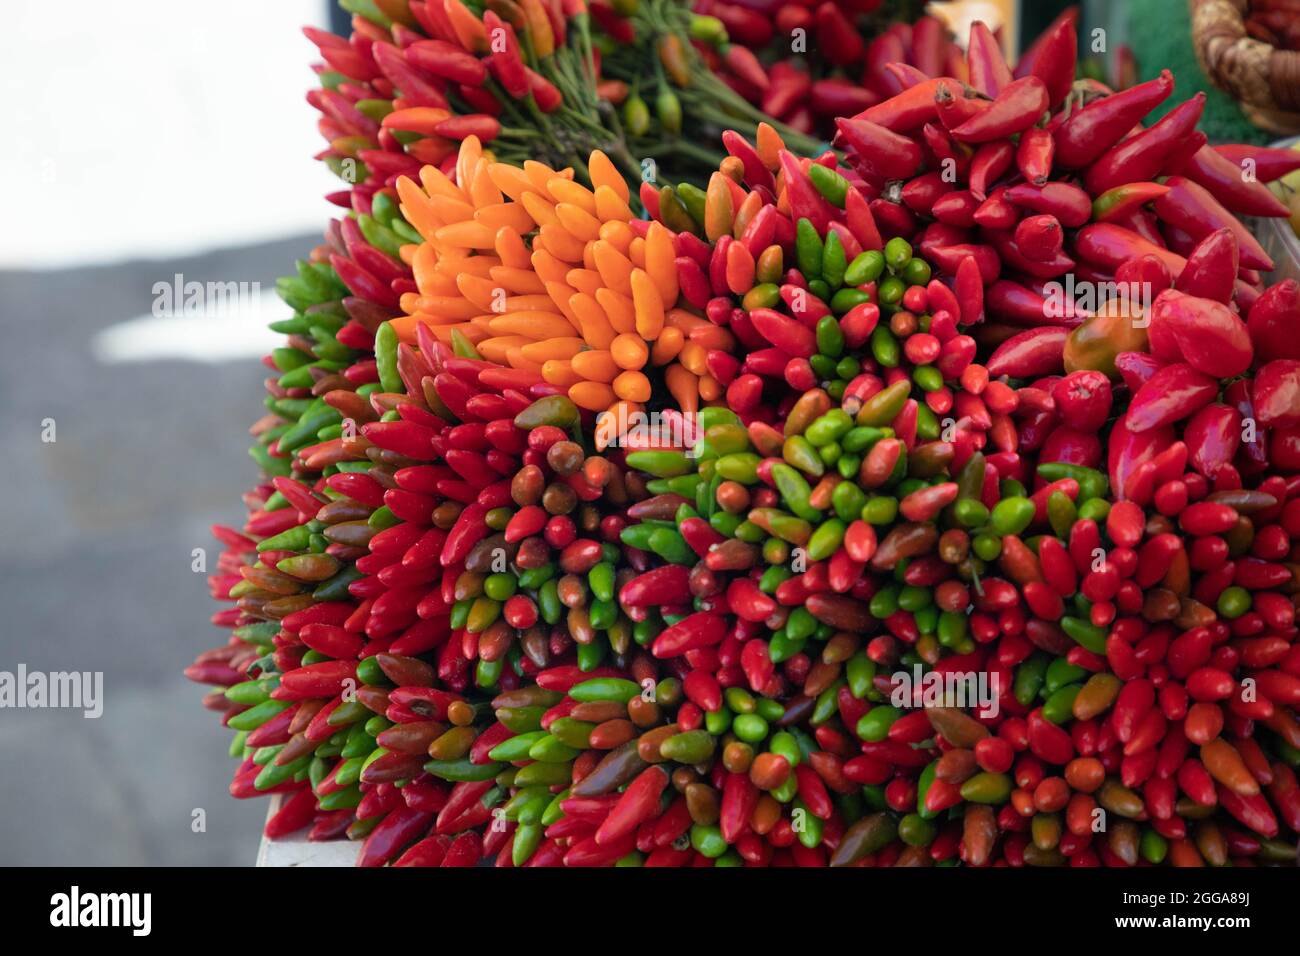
(808, 62)
(418, 76)
(899, 474)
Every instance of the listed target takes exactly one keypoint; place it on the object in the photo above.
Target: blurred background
(142, 140)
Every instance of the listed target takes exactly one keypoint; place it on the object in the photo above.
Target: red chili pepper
(1070, 204)
(954, 109)
(1017, 107)
(908, 109)
(1108, 245)
(638, 803)
(323, 679)
(485, 127)
(1146, 155)
(1129, 450)
(878, 152)
(837, 97)
(929, 45)
(1052, 58)
(1213, 436)
(1272, 321)
(1285, 794)
(1083, 399)
(949, 259)
(1266, 162)
(1207, 334)
(988, 69)
(447, 61)
(1040, 238)
(988, 164)
(1211, 270)
(1047, 741)
(748, 602)
(1243, 195)
(739, 798)
(1034, 155)
(1172, 394)
(956, 208)
(1191, 208)
(1030, 354)
(789, 336)
(545, 93)
(1277, 393)
(997, 212)
(837, 39)
(921, 192)
(756, 174)
(702, 629)
(742, 61)
(1089, 132)
(747, 26)
(804, 199)
(1017, 305)
(787, 89)
(969, 288)
(660, 586)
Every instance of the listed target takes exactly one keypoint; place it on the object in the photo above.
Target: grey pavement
(96, 534)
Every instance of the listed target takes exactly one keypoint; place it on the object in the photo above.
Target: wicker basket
(1263, 79)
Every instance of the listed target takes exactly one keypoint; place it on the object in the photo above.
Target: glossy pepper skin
(1017, 106)
(1099, 125)
(1031, 353)
(1213, 436)
(1206, 334)
(1274, 322)
(1193, 209)
(1277, 393)
(1173, 393)
(1146, 155)
(1211, 270)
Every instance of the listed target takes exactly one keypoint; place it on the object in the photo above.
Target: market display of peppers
(595, 539)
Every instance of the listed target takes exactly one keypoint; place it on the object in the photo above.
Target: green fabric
(1160, 33)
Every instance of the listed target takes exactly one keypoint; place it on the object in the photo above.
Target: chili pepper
(1052, 58)
(1211, 268)
(989, 72)
(878, 151)
(1030, 353)
(1268, 163)
(1205, 333)
(1110, 246)
(1119, 201)
(909, 109)
(1017, 107)
(1173, 393)
(1193, 209)
(1085, 135)
(988, 164)
(1146, 155)
(1243, 195)
(1276, 393)
(1270, 324)
(1034, 155)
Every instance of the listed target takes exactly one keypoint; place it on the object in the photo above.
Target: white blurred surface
(224, 334)
(156, 128)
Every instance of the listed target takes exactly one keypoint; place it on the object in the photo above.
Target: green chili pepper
(834, 263)
(809, 249)
(865, 267)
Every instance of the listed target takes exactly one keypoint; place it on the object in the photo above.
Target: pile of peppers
(538, 79)
(462, 632)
